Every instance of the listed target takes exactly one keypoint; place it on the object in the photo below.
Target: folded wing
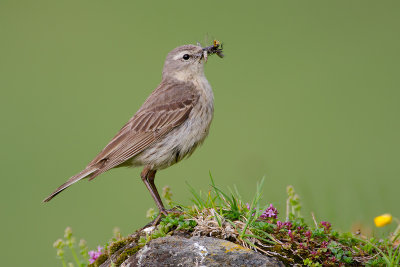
(166, 108)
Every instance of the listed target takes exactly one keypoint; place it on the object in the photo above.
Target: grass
(256, 226)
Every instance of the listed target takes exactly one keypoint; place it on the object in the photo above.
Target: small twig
(264, 251)
(315, 221)
(287, 209)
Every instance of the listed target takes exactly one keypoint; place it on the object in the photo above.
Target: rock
(196, 251)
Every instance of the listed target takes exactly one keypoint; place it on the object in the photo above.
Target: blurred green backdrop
(308, 95)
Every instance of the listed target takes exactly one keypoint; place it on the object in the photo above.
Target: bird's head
(187, 61)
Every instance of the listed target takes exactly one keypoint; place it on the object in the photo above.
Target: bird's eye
(186, 56)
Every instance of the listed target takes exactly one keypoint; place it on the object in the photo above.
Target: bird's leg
(176, 209)
(148, 176)
(157, 199)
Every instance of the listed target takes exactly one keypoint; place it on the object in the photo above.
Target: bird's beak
(204, 55)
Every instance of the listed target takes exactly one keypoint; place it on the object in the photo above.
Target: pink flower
(248, 207)
(270, 212)
(308, 234)
(314, 253)
(291, 235)
(94, 254)
(326, 225)
(279, 225)
(288, 225)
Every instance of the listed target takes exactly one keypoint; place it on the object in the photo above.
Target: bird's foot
(176, 210)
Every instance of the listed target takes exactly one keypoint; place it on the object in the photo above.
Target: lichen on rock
(197, 251)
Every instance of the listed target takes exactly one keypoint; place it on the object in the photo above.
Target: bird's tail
(72, 180)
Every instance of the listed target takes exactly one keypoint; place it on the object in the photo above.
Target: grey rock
(197, 251)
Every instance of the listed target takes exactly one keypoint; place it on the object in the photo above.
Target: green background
(307, 95)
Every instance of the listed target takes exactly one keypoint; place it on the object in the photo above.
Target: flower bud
(68, 232)
(82, 243)
(60, 252)
(59, 243)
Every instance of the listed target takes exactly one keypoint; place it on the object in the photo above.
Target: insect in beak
(216, 48)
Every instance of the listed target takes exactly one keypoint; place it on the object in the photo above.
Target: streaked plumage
(171, 123)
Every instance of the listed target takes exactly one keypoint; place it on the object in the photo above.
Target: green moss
(124, 255)
(115, 246)
(102, 258)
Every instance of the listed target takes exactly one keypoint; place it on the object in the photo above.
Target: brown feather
(86, 172)
(166, 108)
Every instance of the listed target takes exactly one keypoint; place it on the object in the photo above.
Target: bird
(172, 122)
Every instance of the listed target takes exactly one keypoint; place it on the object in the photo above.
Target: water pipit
(169, 126)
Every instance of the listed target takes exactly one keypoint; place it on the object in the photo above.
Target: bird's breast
(195, 129)
(184, 139)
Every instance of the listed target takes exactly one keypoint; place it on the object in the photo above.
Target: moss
(102, 258)
(124, 255)
(115, 246)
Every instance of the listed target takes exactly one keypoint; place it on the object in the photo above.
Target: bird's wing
(166, 108)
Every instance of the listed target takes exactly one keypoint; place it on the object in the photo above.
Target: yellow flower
(383, 220)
